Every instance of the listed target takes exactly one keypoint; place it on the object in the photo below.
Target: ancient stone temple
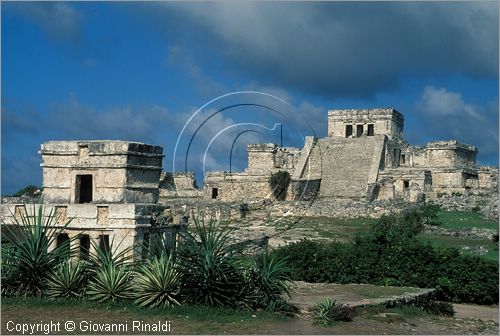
(364, 157)
(108, 188)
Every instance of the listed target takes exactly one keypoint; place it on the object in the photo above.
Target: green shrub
(157, 283)
(329, 311)
(313, 261)
(211, 273)
(392, 255)
(26, 260)
(279, 183)
(68, 281)
(430, 211)
(439, 308)
(30, 191)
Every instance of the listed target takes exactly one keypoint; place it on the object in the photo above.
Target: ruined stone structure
(263, 160)
(364, 157)
(108, 188)
(179, 185)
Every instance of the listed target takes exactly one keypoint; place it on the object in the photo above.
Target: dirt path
(464, 311)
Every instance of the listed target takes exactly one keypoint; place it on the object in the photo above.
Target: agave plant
(328, 311)
(9, 270)
(157, 283)
(269, 281)
(211, 272)
(111, 273)
(159, 245)
(68, 281)
(111, 283)
(29, 260)
(112, 254)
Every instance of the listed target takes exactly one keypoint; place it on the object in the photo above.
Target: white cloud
(440, 101)
(447, 115)
(59, 20)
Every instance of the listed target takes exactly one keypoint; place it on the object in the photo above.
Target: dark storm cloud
(332, 49)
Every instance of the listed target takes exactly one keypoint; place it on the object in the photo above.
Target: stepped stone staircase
(352, 164)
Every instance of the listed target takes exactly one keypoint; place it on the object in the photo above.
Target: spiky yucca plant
(113, 255)
(211, 273)
(111, 275)
(111, 283)
(328, 311)
(268, 281)
(157, 283)
(68, 281)
(29, 260)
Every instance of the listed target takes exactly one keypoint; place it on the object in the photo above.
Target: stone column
(74, 244)
(94, 242)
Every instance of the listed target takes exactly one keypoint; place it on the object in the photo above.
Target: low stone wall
(485, 202)
(406, 299)
(20, 200)
(473, 233)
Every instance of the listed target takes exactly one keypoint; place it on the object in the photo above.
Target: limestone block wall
(119, 171)
(185, 181)
(261, 158)
(450, 154)
(123, 225)
(304, 190)
(488, 178)
(236, 187)
(417, 156)
(265, 159)
(177, 182)
(448, 180)
(384, 121)
(404, 182)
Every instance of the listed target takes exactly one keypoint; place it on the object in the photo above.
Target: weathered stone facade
(179, 185)
(109, 190)
(263, 160)
(364, 157)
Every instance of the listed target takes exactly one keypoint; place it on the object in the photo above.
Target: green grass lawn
(461, 219)
(459, 243)
(342, 229)
(183, 319)
(464, 220)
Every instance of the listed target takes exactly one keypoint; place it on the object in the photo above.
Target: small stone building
(364, 157)
(263, 160)
(108, 188)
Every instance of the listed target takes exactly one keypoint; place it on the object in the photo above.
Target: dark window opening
(83, 189)
(348, 131)
(104, 242)
(406, 185)
(403, 159)
(84, 247)
(145, 245)
(359, 130)
(62, 243)
(371, 130)
(215, 193)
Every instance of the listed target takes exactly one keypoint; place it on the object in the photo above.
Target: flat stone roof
(98, 146)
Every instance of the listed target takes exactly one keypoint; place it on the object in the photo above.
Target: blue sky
(138, 71)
